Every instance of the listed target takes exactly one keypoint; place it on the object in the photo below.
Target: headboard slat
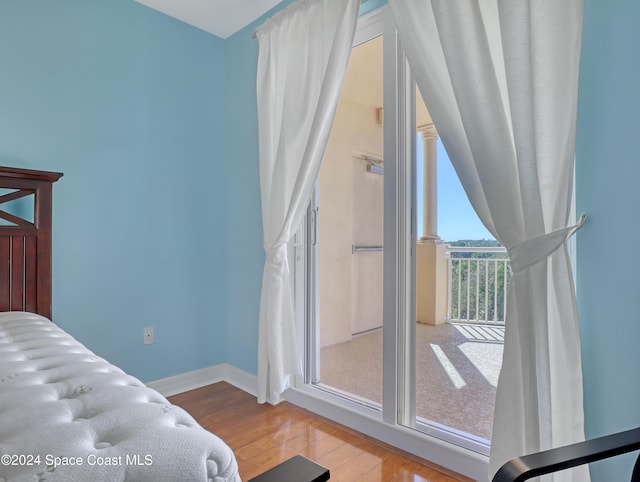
(5, 273)
(25, 245)
(17, 273)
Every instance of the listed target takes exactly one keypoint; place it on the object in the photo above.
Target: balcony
(458, 358)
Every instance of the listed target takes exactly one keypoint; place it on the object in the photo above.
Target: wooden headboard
(25, 239)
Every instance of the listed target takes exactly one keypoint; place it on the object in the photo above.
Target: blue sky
(456, 218)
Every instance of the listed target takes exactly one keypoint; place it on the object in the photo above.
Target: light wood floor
(262, 436)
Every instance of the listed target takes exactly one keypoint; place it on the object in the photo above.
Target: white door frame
(394, 424)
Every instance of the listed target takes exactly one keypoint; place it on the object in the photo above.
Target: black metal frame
(554, 460)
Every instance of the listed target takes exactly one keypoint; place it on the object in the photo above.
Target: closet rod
(365, 249)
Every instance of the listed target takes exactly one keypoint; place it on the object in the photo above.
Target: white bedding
(68, 415)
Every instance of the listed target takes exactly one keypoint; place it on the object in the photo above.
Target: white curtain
(500, 80)
(303, 56)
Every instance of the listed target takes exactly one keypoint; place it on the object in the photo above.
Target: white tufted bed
(68, 415)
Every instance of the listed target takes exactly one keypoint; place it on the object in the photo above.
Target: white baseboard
(206, 376)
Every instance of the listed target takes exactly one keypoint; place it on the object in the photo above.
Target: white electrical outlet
(148, 335)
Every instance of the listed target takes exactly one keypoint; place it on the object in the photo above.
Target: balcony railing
(478, 280)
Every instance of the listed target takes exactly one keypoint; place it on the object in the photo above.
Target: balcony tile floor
(457, 367)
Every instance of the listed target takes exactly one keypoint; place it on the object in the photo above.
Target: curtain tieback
(277, 255)
(532, 251)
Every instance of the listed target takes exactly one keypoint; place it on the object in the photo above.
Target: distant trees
(473, 243)
(478, 282)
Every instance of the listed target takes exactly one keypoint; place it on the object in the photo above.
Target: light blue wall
(607, 174)
(246, 254)
(130, 105)
(157, 219)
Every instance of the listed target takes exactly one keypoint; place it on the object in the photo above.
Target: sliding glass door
(377, 274)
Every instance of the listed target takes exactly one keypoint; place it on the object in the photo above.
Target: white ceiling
(219, 17)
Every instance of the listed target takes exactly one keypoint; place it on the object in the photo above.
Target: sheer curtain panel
(302, 62)
(500, 80)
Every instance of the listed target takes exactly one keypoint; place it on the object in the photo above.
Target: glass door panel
(460, 280)
(350, 229)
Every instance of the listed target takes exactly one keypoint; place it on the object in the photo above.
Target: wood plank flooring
(262, 436)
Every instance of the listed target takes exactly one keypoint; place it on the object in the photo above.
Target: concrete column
(431, 265)
(429, 182)
(431, 282)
